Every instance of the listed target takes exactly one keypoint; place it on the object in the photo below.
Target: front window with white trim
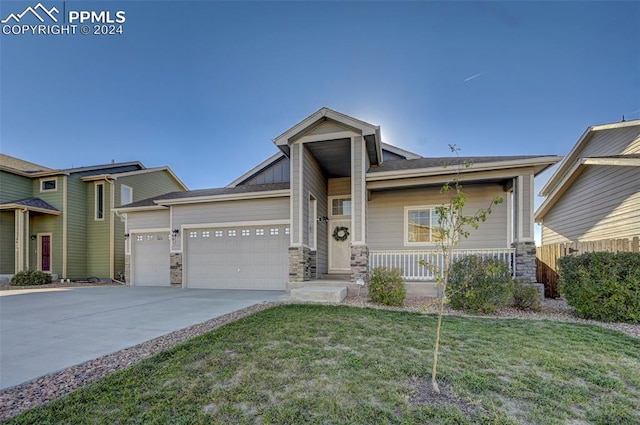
(49, 185)
(421, 226)
(126, 194)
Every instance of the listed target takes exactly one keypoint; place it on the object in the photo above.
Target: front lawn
(343, 365)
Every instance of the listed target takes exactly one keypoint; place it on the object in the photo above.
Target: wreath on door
(341, 233)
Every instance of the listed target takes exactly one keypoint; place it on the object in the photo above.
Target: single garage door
(150, 259)
(251, 257)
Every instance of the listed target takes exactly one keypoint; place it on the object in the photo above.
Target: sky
(203, 86)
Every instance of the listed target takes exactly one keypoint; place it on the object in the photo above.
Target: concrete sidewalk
(44, 331)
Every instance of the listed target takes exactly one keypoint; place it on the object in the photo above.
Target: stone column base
(525, 261)
(175, 269)
(300, 267)
(359, 263)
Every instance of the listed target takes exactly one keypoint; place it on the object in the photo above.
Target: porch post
(525, 261)
(359, 248)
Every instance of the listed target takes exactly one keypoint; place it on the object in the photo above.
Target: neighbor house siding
(7, 242)
(76, 216)
(98, 232)
(385, 227)
(315, 183)
(45, 223)
(619, 141)
(14, 187)
(615, 214)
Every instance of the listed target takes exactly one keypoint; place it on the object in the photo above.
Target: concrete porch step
(336, 276)
(317, 294)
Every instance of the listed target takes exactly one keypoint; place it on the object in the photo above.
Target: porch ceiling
(333, 156)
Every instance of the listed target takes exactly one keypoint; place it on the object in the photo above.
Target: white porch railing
(410, 262)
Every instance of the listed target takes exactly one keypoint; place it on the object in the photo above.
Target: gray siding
(296, 184)
(277, 172)
(148, 220)
(527, 207)
(358, 198)
(229, 211)
(315, 183)
(326, 127)
(603, 203)
(385, 227)
(618, 141)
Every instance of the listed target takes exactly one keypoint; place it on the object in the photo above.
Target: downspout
(127, 249)
(111, 227)
(65, 220)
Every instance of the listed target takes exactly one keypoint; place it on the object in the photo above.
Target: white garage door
(252, 257)
(150, 259)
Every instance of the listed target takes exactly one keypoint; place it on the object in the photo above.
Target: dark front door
(45, 253)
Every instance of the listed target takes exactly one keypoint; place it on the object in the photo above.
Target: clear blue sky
(203, 87)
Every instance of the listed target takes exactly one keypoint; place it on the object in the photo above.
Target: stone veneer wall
(127, 269)
(300, 267)
(525, 260)
(175, 268)
(359, 262)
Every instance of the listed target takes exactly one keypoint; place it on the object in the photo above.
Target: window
(217, 234)
(126, 195)
(246, 232)
(231, 233)
(206, 234)
(193, 234)
(421, 226)
(139, 238)
(274, 231)
(259, 232)
(340, 206)
(287, 231)
(99, 215)
(48, 185)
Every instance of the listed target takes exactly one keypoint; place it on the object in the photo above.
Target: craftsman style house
(595, 192)
(333, 202)
(62, 221)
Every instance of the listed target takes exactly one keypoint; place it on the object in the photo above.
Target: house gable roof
(370, 132)
(10, 163)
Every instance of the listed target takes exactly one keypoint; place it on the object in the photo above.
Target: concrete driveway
(44, 331)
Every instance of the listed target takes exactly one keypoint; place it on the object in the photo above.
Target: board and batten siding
(385, 227)
(315, 184)
(228, 212)
(277, 172)
(603, 203)
(618, 141)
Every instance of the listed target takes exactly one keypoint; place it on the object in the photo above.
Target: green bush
(387, 287)
(602, 286)
(479, 284)
(526, 296)
(30, 278)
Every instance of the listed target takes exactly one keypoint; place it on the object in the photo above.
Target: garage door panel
(151, 259)
(254, 257)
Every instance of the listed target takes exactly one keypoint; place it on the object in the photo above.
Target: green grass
(341, 365)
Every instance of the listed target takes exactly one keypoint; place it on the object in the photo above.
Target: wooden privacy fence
(547, 257)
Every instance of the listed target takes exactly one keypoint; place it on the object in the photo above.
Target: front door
(339, 235)
(45, 253)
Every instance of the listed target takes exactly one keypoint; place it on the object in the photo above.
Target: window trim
(99, 187)
(330, 206)
(48, 179)
(432, 210)
(122, 188)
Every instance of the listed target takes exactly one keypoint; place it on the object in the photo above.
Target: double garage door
(249, 257)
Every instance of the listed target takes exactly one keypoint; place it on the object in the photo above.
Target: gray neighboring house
(595, 192)
(330, 205)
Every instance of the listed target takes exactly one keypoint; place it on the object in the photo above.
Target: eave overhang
(226, 197)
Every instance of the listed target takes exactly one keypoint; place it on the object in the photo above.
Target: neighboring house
(62, 221)
(332, 203)
(595, 192)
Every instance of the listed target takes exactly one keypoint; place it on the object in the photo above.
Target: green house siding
(7, 242)
(14, 187)
(147, 185)
(98, 232)
(76, 217)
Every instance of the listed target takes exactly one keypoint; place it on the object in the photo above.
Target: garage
(248, 257)
(151, 259)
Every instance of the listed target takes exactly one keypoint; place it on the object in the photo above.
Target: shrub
(602, 286)
(479, 284)
(526, 296)
(30, 278)
(387, 287)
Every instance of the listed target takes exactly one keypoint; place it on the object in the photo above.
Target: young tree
(453, 225)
